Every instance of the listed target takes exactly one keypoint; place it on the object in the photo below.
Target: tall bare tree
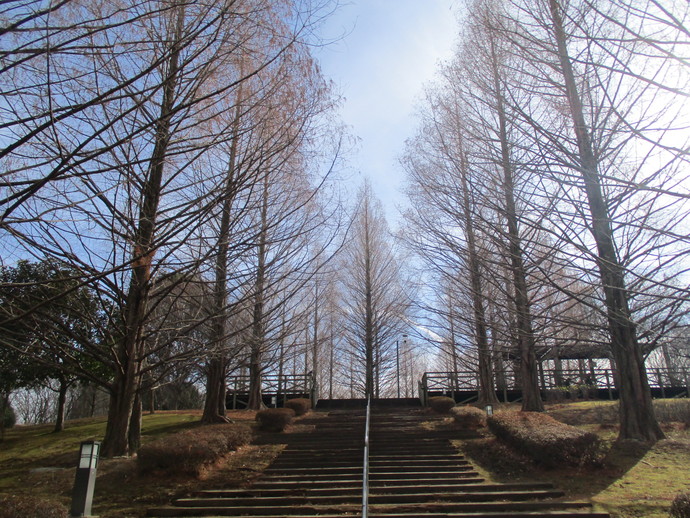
(374, 302)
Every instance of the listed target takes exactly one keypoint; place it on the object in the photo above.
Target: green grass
(34, 461)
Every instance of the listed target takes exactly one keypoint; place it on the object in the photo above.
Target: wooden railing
(273, 385)
(564, 380)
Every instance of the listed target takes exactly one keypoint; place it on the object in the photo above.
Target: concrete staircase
(413, 472)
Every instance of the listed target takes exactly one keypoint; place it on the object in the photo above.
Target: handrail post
(365, 474)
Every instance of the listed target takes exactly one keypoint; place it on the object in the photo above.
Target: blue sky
(390, 50)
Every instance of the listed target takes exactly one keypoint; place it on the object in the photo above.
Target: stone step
(424, 509)
(510, 514)
(281, 483)
(387, 498)
(414, 472)
(356, 488)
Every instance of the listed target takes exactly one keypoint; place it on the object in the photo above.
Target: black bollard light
(85, 479)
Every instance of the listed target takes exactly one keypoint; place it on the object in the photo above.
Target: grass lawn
(36, 462)
(636, 480)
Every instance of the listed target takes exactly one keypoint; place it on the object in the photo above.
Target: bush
(300, 405)
(680, 508)
(469, 416)
(441, 404)
(190, 451)
(9, 418)
(275, 419)
(547, 441)
(30, 507)
(677, 410)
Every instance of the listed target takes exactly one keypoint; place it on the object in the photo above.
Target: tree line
(174, 211)
(549, 186)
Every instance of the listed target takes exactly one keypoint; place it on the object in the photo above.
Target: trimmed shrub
(190, 451)
(680, 508)
(300, 405)
(547, 441)
(677, 410)
(441, 404)
(9, 418)
(469, 416)
(12, 506)
(274, 419)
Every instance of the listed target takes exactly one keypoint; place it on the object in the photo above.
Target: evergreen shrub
(275, 419)
(190, 451)
(680, 508)
(9, 418)
(546, 440)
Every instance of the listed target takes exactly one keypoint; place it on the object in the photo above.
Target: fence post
(608, 384)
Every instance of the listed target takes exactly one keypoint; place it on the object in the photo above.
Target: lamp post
(85, 479)
(397, 358)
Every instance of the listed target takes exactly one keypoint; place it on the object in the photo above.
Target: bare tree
(374, 303)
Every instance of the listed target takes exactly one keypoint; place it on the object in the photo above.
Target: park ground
(635, 480)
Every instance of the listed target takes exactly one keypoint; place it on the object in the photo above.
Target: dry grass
(546, 440)
(635, 480)
(41, 464)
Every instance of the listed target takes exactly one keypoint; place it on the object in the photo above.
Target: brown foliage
(188, 452)
(441, 404)
(300, 405)
(275, 419)
(469, 416)
(547, 441)
(12, 506)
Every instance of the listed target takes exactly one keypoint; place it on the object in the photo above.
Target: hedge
(190, 451)
(275, 419)
(469, 416)
(441, 404)
(546, 440)
(300, 405)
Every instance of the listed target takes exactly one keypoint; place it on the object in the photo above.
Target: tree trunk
(3, 408)
(558, 371)
(670, 366)
(116, 440)
(134, 436)
(130, 350)
(215, 392)
(214, 406)
(152, 403)
(487, 393)
(529, 376)
(258, 332)
(61, 404)
(369, 311)
(637, 419)
(331, 362)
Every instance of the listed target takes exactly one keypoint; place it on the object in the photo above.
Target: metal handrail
(365, 474)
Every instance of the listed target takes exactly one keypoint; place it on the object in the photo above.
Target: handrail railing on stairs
(365, 474)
